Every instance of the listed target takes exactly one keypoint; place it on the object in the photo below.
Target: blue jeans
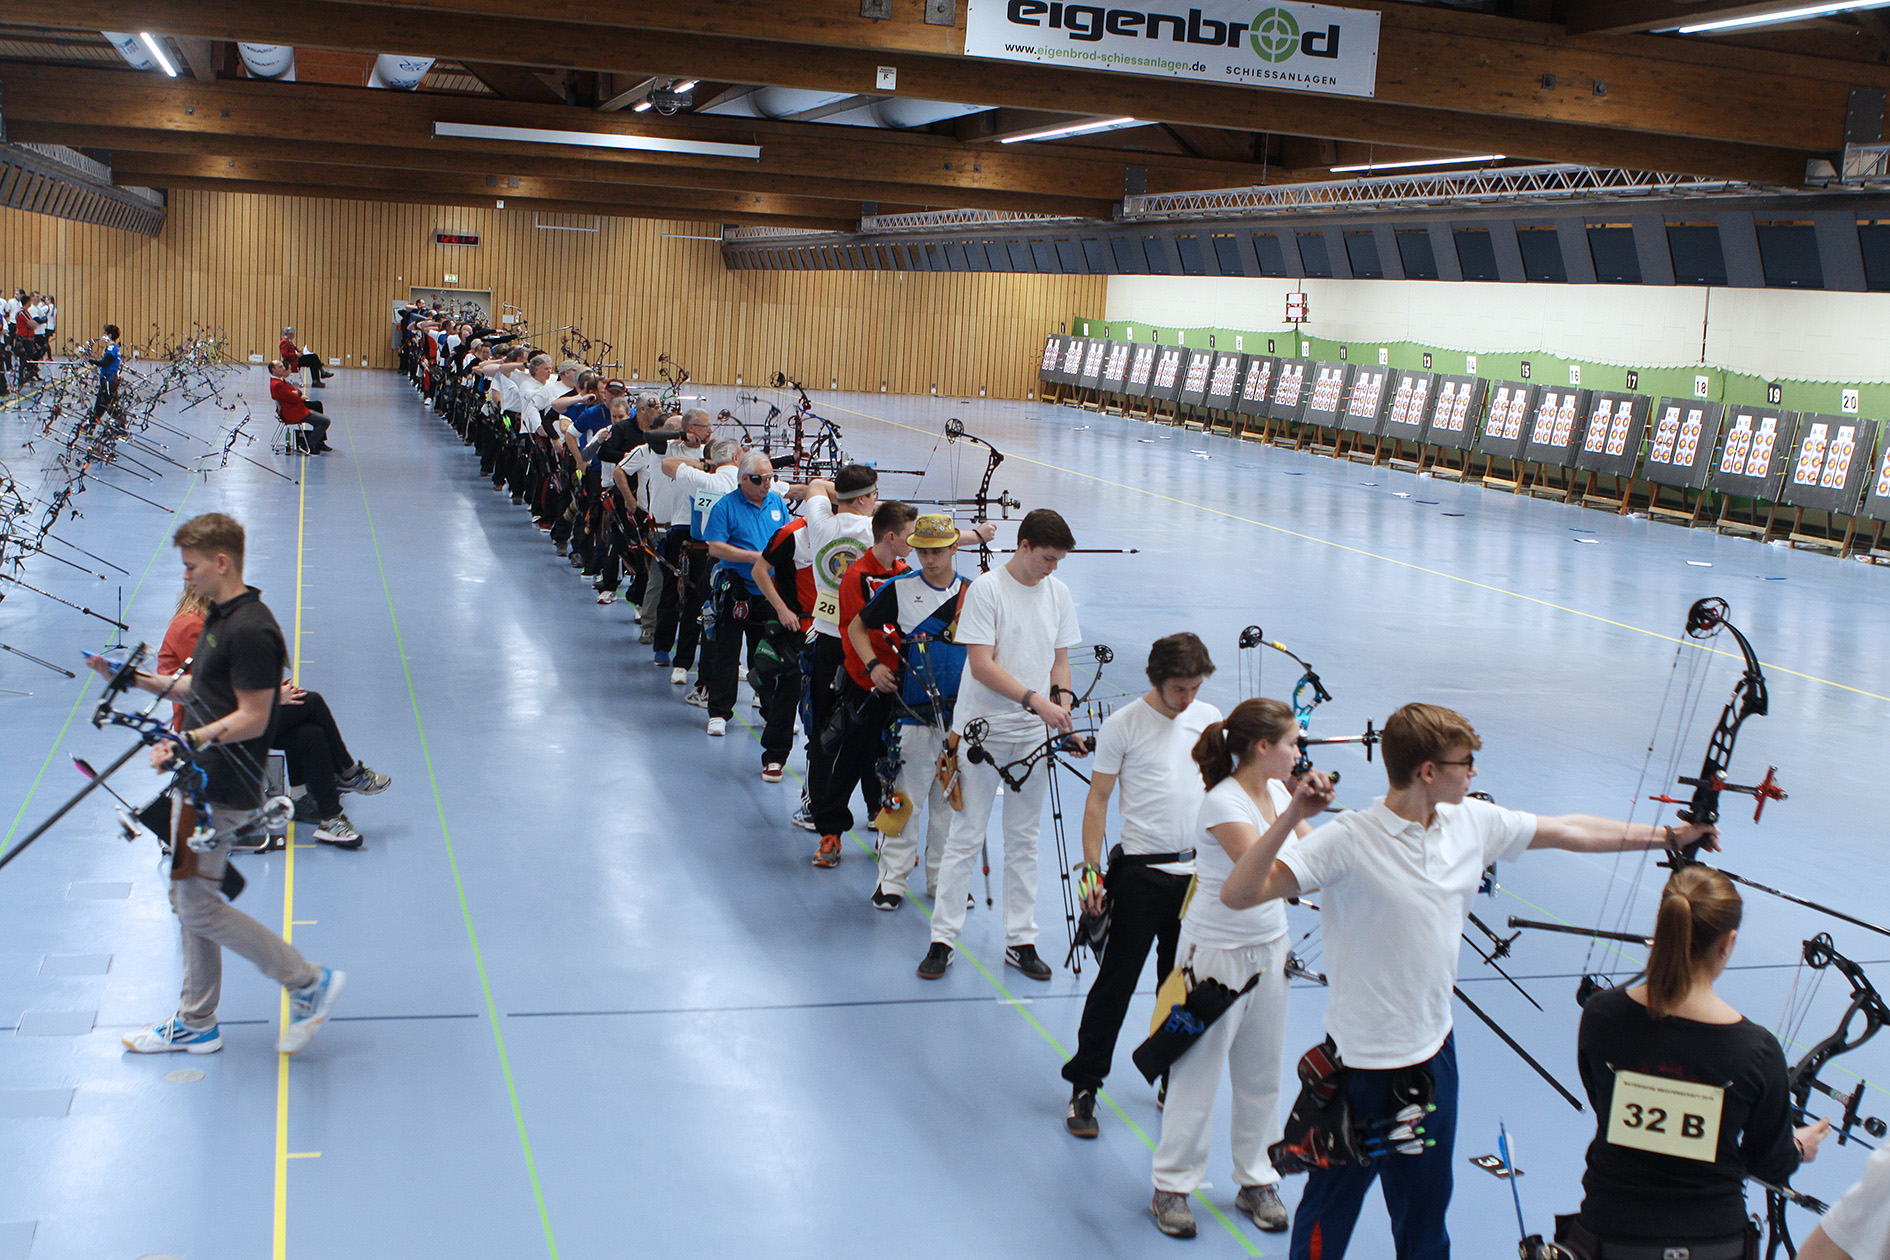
(1417, 1187)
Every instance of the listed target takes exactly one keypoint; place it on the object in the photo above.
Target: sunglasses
(1469, 762)
(757, 479)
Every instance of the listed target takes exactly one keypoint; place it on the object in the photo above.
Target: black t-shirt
(241, 649)
(625, 436)
(1641, 1195)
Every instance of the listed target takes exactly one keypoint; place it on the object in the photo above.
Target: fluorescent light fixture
(1776, 16)
(1392, 166)
(1070, 129)
(163, 62)
(596, 140)
(685, 86)
(639, 107)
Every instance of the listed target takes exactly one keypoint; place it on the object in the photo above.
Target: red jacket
(289, 402)
(291, 357)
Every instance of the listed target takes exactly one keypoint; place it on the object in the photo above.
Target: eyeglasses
(1468, 763)
(757, 479)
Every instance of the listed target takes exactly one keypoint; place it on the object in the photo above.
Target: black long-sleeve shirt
(1632, 1194)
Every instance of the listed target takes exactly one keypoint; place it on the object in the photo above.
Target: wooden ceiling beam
(514, 82)
(154, 170)
(675, 214)
(319, 114)
(1430, 59)
(1626, 17)
(602, 170)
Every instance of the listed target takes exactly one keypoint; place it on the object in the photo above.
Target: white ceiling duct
(402, 74)
(131, 49)
(904, 114)
(776, 102)
(269, 61)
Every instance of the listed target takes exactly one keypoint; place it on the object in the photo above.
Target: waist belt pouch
(1318, 1131)
(1207, 1001)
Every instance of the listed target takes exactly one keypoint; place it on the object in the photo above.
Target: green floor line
(1010, 1000)
(452, 859)
(85, 684)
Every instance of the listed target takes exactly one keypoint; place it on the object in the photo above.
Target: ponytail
(1698, 909)
(1210, 753)
(1232, 738)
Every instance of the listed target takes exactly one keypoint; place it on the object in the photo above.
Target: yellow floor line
(280, 1245)
(1403, 564)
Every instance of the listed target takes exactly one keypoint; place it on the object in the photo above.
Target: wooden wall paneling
(248, 264)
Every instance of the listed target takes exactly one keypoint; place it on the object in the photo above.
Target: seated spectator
(293, 408)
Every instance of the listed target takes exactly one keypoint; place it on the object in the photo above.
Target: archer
(1398, 879)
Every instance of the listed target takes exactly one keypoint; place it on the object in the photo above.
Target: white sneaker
(678, 676)
(171, 1036)
(718, 726)
(308, 1010)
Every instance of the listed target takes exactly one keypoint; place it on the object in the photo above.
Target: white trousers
(1023, 820)
(1250, 1042)
(917, 782)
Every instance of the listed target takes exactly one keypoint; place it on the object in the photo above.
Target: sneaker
(883, 900)
(365, 781)
(339, 832)
(771, 773)
(647, 635)
(171, 1036)
(755, 701)
(828, 855)
(803, 817)
(1262, 1203)
(562, 548)
(1081, 1120)
(308, 1008)
(937, 959)
(698, 697)
(1172, 1216)
(678, 676)
(306, 811)
(1024, 958)
(718, 726)
(660, 660)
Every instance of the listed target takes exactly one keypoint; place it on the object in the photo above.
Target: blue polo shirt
(740, 523)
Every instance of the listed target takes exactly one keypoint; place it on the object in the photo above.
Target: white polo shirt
(1393, 899)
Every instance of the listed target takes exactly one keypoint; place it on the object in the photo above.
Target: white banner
(1285, 47)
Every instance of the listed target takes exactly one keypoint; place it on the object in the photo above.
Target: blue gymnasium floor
(599, 1003)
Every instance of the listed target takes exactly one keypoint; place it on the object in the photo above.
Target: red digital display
(454, 238)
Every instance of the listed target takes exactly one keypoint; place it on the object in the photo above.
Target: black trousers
(742, 618)
(107, 396)
(828, 661)
(851, 761)
(669, 600)
(311, 743)
(1145, 909)
(316, 372)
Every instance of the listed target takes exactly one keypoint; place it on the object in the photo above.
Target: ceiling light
(1443, 161)
(684, 86)
(595, 139)
(1071, 129)
(162, 60)
(639, 107)
(1776, 16)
